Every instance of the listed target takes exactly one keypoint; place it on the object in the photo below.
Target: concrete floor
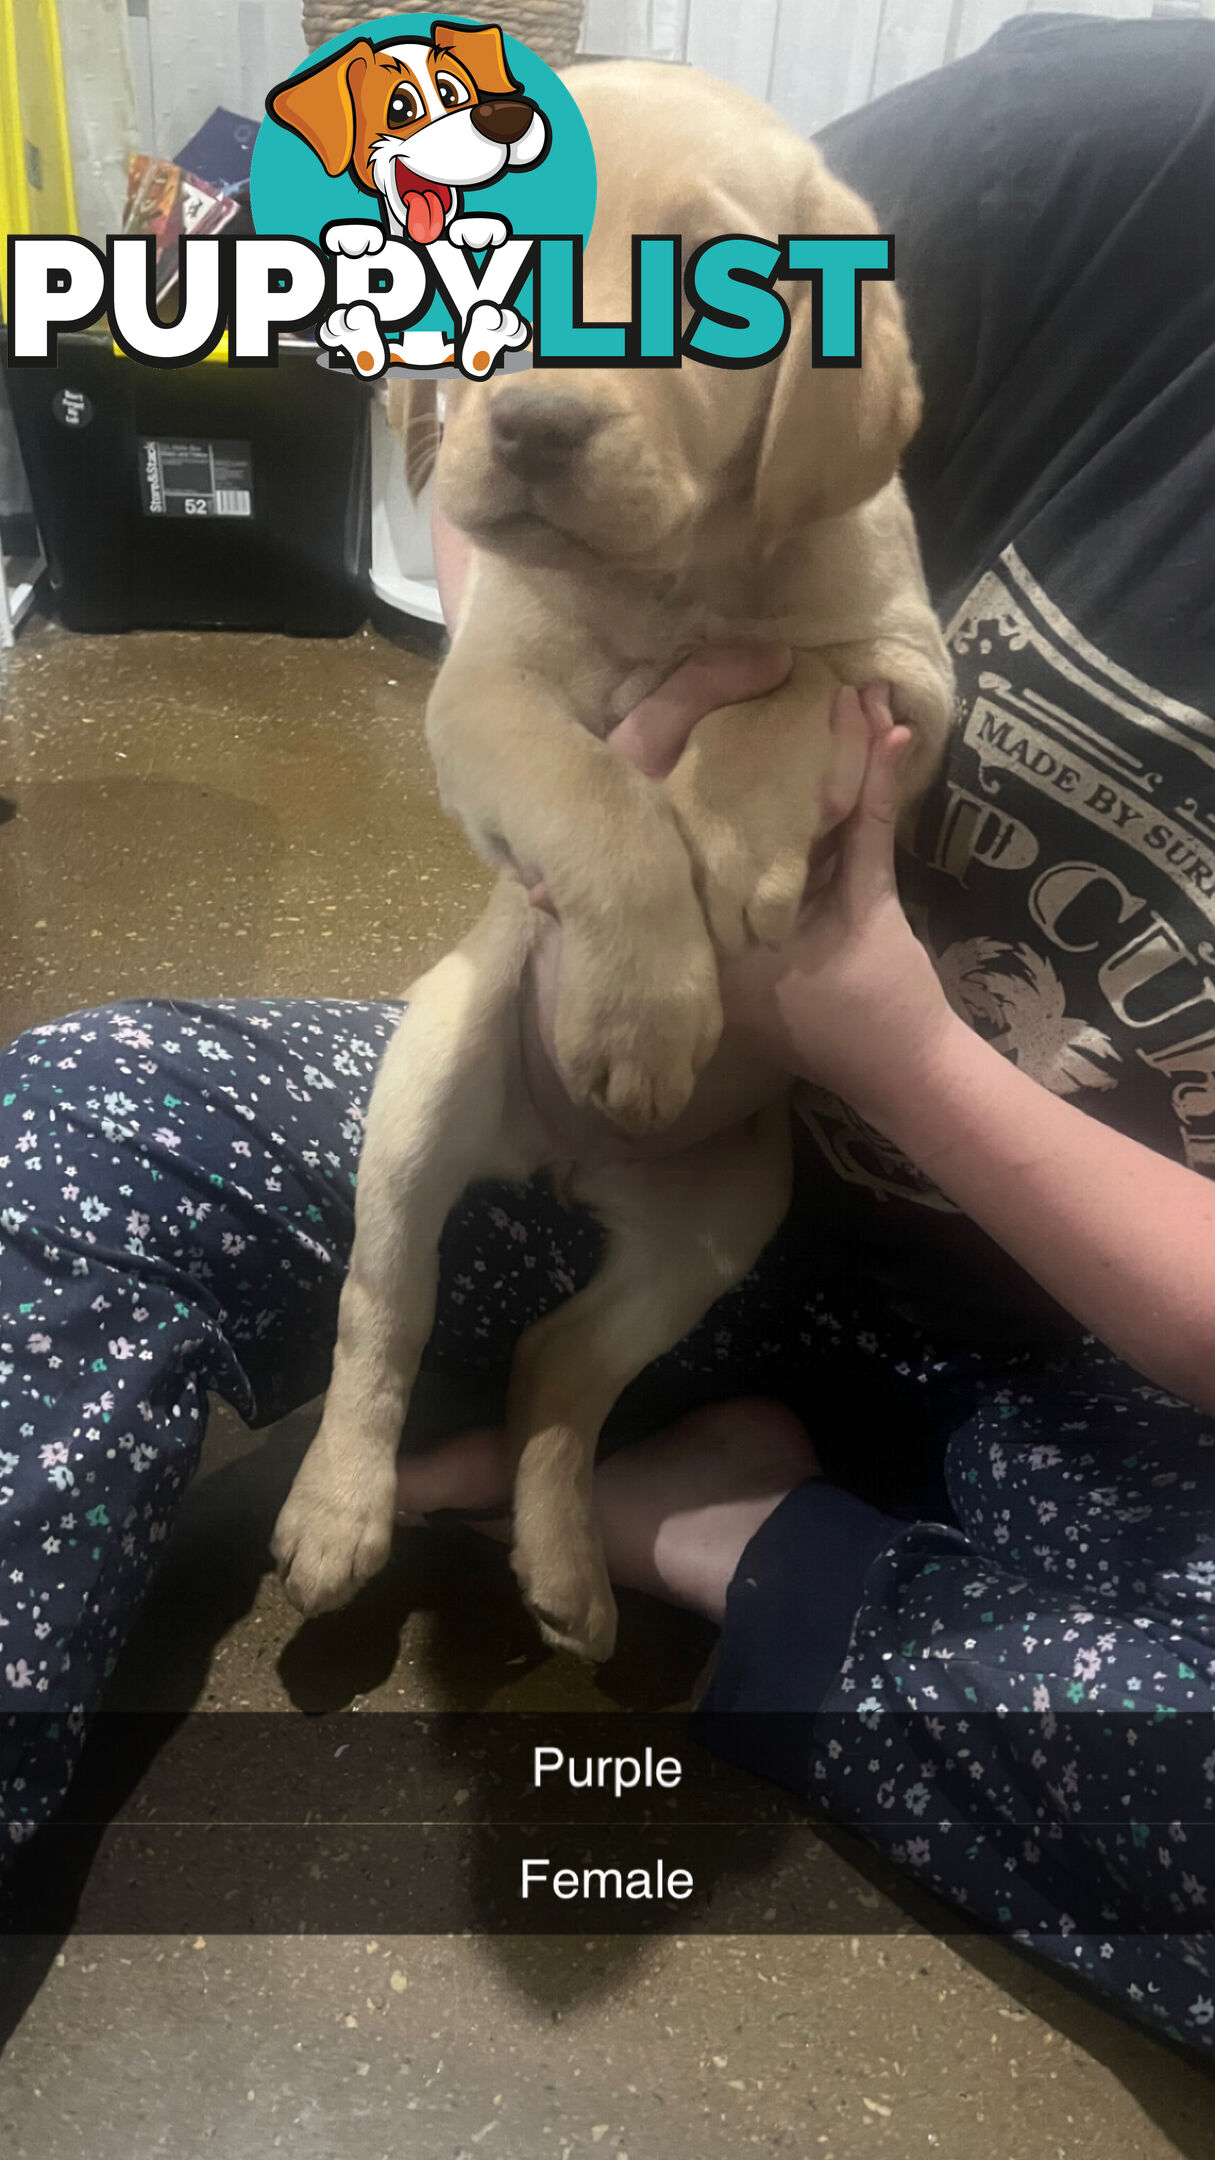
(215, 814)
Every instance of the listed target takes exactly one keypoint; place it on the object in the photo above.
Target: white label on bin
(195, 479)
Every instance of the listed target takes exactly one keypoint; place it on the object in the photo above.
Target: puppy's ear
(320, 106)
(832, 437)
(480, 51)
(413, 415)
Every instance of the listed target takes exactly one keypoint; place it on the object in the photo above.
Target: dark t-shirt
(1053, 202)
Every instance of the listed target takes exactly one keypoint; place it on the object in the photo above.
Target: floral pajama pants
(1017, 1679)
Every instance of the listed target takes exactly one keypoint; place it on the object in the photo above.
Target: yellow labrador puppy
(622, 518)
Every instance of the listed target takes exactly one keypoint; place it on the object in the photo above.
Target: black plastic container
(198, 498)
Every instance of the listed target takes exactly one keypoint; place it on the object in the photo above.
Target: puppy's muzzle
(502, 120)
(539, 433)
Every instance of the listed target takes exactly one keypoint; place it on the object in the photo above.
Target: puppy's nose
(538, 433)
(503, 120)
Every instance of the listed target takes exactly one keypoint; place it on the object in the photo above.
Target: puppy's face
(653, 466)
(625, 464)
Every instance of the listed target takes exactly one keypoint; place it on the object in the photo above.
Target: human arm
(1120, 1236)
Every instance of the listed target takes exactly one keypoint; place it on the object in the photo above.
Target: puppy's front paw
(752, 898)
(750, 883)
(326, 1545)
(633, 1032)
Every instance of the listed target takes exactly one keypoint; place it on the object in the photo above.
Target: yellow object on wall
(36, 190)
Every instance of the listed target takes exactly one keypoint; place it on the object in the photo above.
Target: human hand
(654, 735)
(762, 1041)
(851, 1000)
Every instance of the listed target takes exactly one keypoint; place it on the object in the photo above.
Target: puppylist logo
(431, 161)
(423, 191)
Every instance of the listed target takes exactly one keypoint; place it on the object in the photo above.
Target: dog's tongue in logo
(427, 203)
(418, 123)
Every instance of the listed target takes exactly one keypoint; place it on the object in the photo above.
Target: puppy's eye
(452, 91)
(403, 106)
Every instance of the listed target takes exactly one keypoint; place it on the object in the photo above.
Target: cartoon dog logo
(416, 123)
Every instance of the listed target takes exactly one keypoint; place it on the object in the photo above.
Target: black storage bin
(203, 497)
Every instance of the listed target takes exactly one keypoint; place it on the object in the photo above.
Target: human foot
(676, 1511)
(465, 1474)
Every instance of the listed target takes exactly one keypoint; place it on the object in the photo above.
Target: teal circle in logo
(291, 191)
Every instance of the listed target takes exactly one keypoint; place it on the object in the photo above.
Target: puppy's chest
(610, 643)
(629, 674)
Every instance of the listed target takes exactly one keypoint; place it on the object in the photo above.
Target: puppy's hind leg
(681, 1232)
(437, 1120)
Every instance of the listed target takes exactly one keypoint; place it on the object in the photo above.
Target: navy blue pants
(980, 1688)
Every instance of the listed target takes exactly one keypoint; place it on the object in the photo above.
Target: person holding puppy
(951, 1449)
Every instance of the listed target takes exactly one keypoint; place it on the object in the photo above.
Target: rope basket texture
(551, 27)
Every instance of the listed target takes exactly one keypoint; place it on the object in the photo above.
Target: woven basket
(551, 27)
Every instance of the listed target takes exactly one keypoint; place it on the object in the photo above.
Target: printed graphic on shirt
(1014, 995)
(1064, 882)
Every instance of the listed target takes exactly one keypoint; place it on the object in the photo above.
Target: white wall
(188, 56)
(816, 59)
(102, 119)
(812, 59)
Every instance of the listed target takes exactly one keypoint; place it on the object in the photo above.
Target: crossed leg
(681, 1232)
(676, 1511)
